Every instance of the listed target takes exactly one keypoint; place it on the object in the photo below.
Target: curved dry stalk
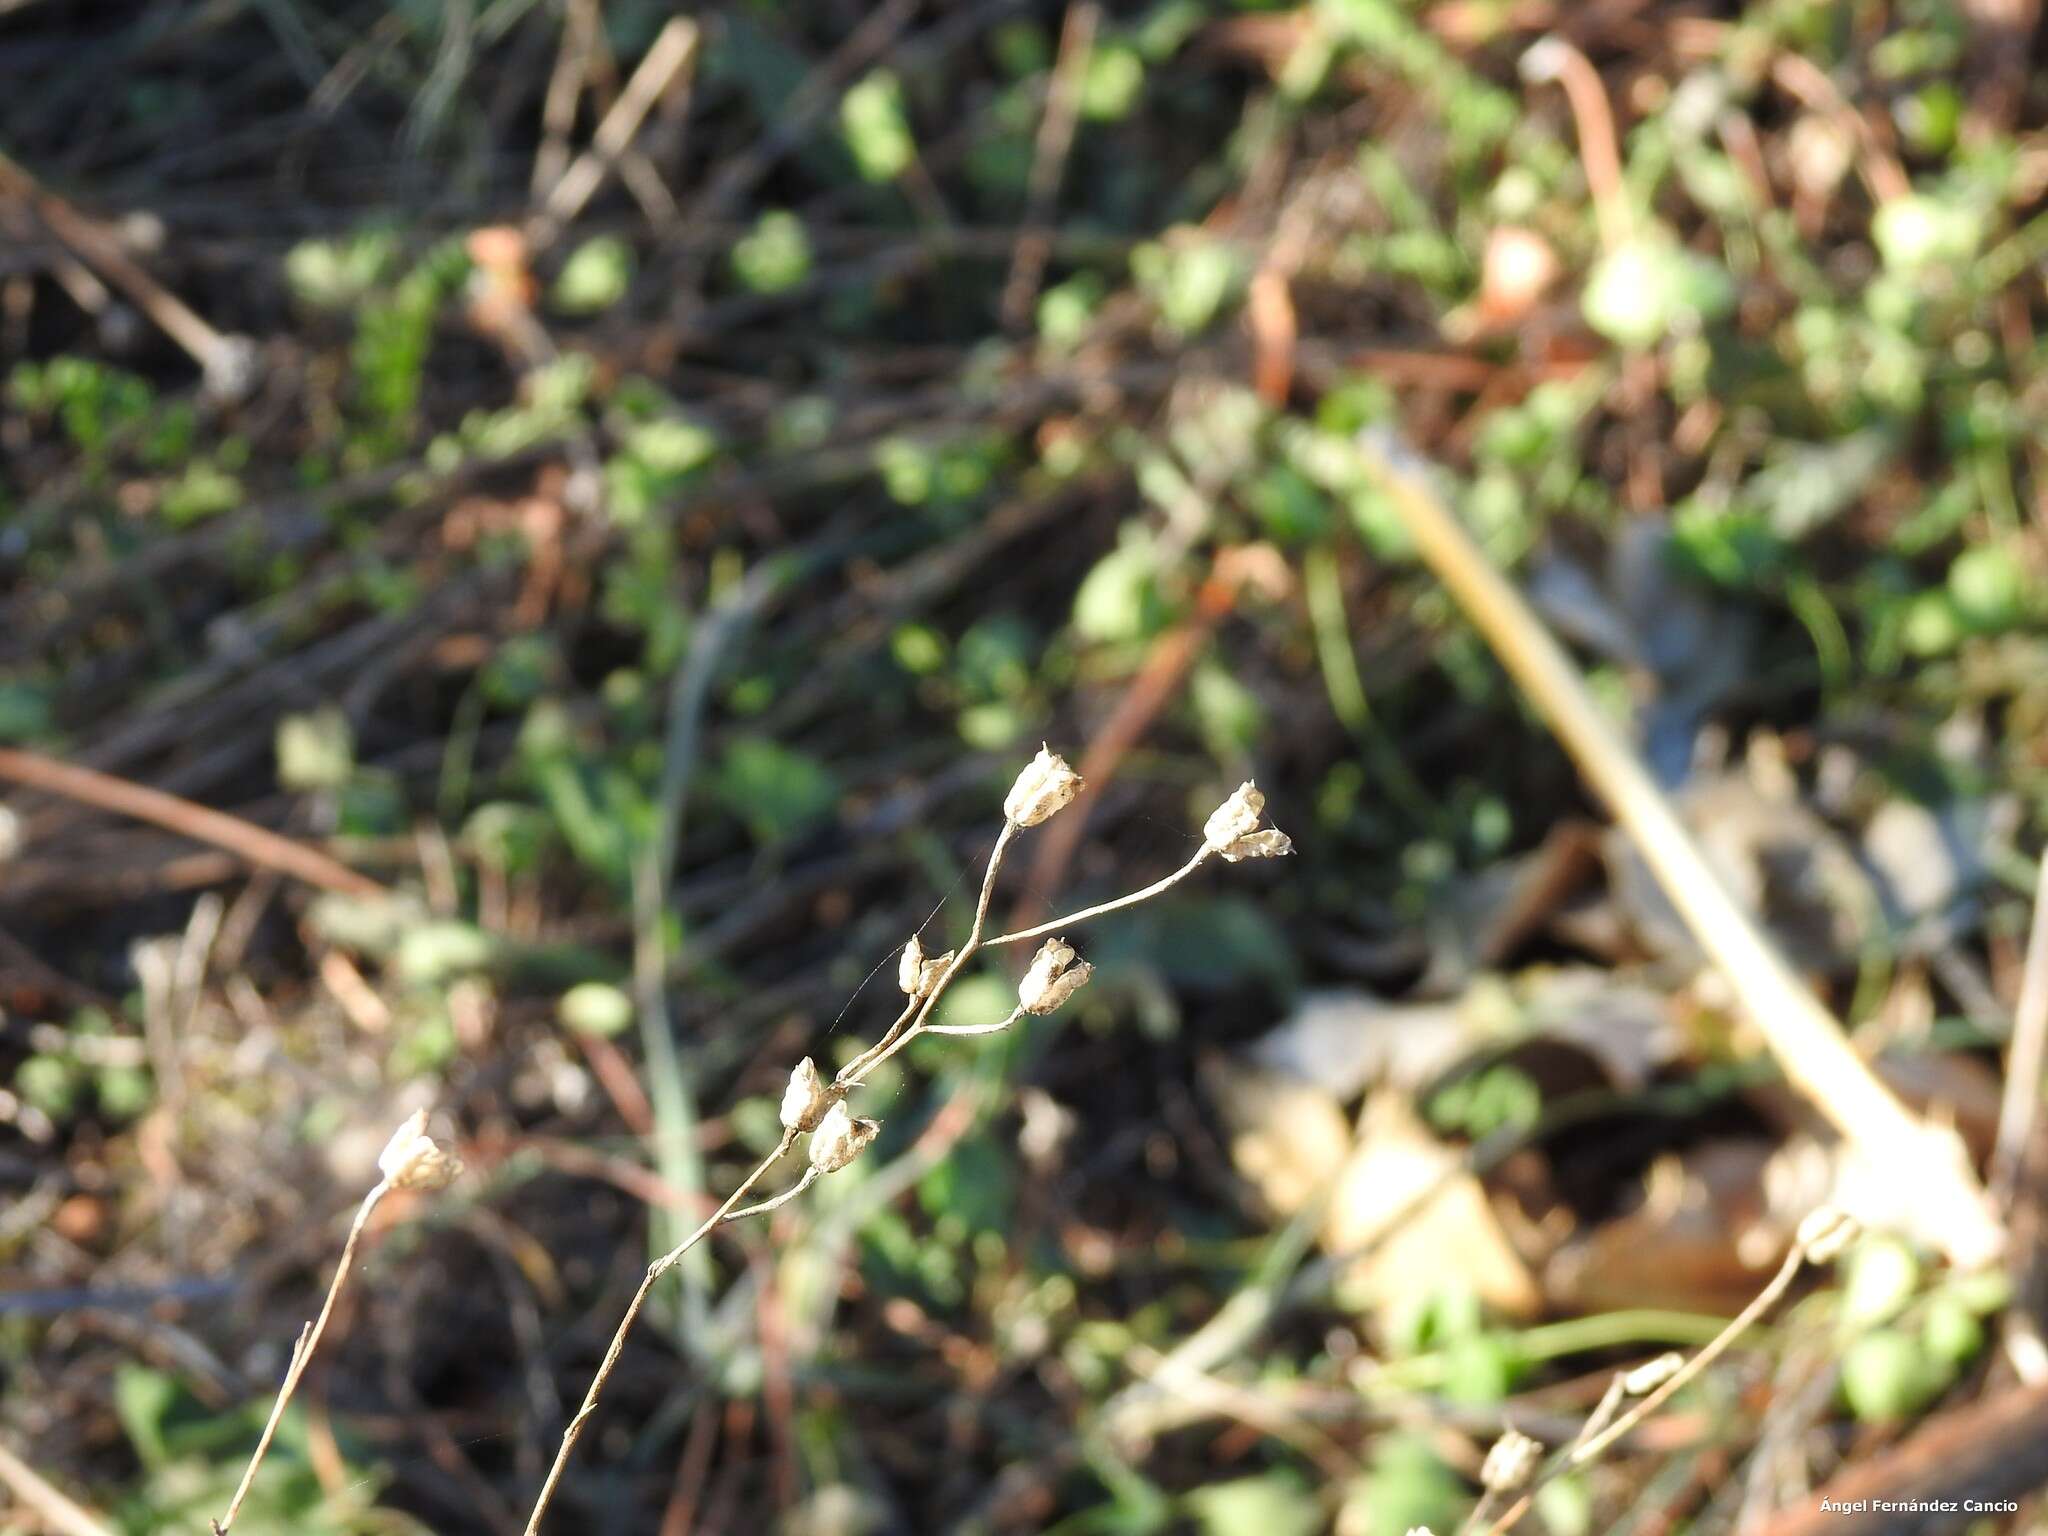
(1947, 1207)
(655, 1271)
(1553, 58)
(410, 1160)
(812, 1106)
(1821, 1236)
(302, 1354)
(1072, 919)
(58, 1510)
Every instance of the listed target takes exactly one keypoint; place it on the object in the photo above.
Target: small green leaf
(1113, 83)
(315, 751)
(775, 791)
(877, 129)
(595, 277)
(596, 1008)
(143, 1400)
(1919, 232)
(1888, 1375)
(776, 256)
(1651, 286)
(1988, 587)
(1272, 1504)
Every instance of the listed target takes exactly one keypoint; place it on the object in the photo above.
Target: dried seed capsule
(1267, 843)
(1235, 818)
(806, 1099)
(1825, 1232)
(1047, 785)
(840, 1138)
(910, 969)
(1652, 1374)
(1511, 1462)
(1054, 976)
(413, 1160)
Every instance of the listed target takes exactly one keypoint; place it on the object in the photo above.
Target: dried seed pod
(1235, 818)
(1518, 265)
(1652, 1374)
(910, 969)
(916, 973)
(1825, 1232)
(840, 1138)
(1511, 1462)
(1267, 843)
(411, 1159)
(806, 1099)
(1046, 786)
(1054, 976)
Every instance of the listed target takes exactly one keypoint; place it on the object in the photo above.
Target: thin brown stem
(1589, 1447)
(1087, 913)
(253, 844)
(655, 1271)
(302, 1354)
(857, 1070)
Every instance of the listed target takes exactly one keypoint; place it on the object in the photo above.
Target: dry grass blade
(1947, 1204)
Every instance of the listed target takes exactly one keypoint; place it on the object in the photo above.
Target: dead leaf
(1409, 1194)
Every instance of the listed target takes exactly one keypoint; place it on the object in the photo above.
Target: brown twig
(1048, 161)
(1599, 151)
(227, 362)
(409, 1161)
(302, 1354)
(674, 50)
(253, 844)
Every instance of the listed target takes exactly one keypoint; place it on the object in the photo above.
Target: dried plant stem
(674, 49)
(56, 1508)
(898, 1036)
(1593, 1441)
(226, 361)
(661, 1266)
(1946, 1203)
(1074, 919)
(255, 845)
(812, 1107)
(1599, 151)
(2021, 1106)
(302, 1353)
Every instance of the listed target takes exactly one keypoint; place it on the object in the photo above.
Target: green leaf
(1649, 287)
(595, 277)
(1407, 1486)
(1113, 83)
(1118, 600)
(1988, 586)
(1919, 232)
(1274, 1503)
(1888, 1375)
(776, 256)
(877, 129)
(775, 791)
(143, 1400)
(596, 1008)
(24, 712)
(315, 751)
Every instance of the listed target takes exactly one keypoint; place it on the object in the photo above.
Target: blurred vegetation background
(481, 439)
